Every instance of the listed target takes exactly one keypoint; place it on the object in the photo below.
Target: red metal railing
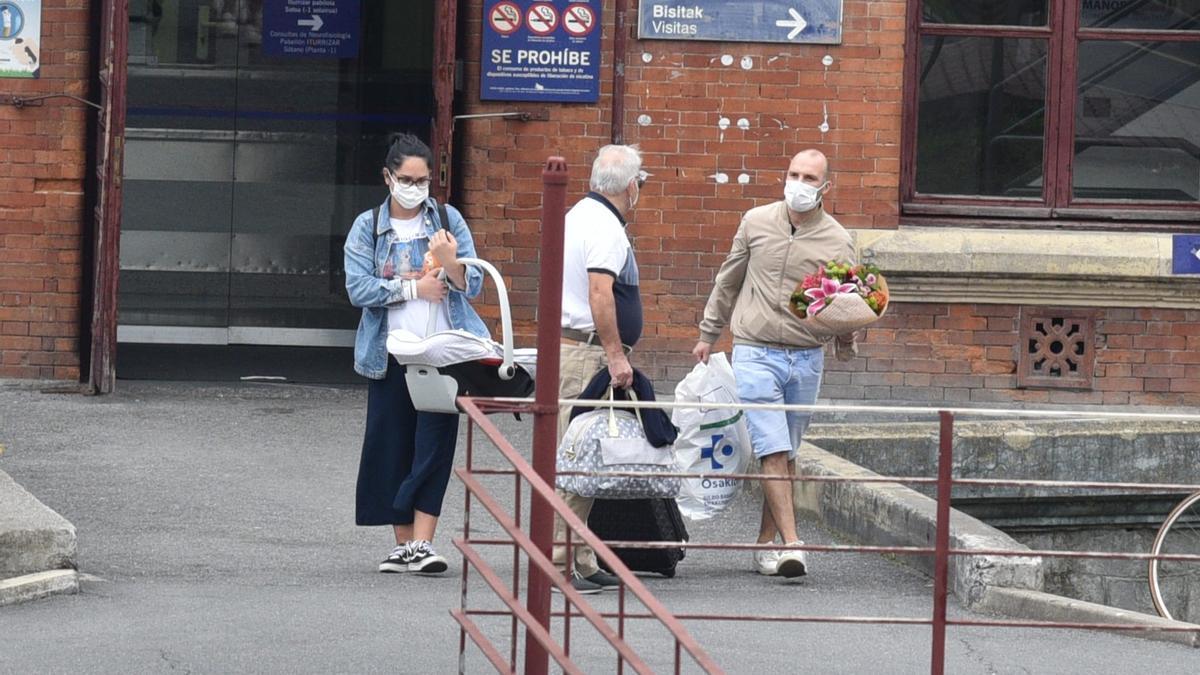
(535, 614)
(544, 503)
(541, 565)
(941, 550)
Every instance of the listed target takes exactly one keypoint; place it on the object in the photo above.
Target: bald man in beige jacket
(776, 358)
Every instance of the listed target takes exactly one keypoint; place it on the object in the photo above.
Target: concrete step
(29, 587)
(33, 538)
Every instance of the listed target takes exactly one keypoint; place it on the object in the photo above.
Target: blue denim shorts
(771, 375)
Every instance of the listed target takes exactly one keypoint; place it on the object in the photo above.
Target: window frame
(1064, 35)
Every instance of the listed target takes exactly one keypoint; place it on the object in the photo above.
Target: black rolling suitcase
(641, 520)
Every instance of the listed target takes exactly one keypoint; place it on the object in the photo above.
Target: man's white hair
(614, 168)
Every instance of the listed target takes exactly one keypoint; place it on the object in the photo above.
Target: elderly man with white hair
(601, 314)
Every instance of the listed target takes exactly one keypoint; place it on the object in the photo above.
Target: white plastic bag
(712, 441)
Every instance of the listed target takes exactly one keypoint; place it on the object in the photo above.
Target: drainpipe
(620, 38)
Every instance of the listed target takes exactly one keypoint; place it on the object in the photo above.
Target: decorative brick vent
(1056, 349)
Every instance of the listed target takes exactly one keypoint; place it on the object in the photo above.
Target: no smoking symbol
(542, 19)
(505, 18)
(579, 20)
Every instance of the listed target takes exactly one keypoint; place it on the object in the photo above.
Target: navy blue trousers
(407, 455)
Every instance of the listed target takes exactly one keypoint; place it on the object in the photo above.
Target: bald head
(809, 166)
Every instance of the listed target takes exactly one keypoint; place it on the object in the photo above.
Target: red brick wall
(968, 354)
(685, 220)
(42, 166)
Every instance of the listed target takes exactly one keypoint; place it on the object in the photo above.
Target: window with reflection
(1137, 121)
(986, 12)
(1077, 108)
(982, 125)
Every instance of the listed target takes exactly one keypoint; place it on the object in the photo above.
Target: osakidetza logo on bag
(721, 450)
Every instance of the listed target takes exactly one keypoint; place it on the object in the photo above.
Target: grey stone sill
(1125, 269)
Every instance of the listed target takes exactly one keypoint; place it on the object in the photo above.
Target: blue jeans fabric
(407, 455)
(366, 252)
(774, 375)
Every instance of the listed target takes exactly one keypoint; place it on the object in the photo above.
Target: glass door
(249, 153)
(178, 174)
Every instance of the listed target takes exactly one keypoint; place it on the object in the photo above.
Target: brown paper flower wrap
(840, 298)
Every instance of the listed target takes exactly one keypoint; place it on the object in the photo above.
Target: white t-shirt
(595, 241)
(406, 257)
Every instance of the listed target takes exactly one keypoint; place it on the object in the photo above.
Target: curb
(1039, 606)
(37, 547)
(887, 513)
(38, 585)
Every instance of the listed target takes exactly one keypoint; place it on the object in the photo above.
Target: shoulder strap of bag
(444, 218)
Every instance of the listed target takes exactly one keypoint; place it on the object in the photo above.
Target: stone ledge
(1039, 606)
(1105, 450)
(38, 585)
(890, 514)
(33, 538)
(1028, 267)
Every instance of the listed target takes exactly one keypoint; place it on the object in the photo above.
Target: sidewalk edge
(38, 585)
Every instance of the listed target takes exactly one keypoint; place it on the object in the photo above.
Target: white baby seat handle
(507, 369)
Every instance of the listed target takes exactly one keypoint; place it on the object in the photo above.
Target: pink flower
(823, 295)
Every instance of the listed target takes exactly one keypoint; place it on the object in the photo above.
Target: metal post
(462, 630)
(545, 408)
(937, 660)
(620, 37)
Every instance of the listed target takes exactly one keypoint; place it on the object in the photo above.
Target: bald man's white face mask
(801, 196)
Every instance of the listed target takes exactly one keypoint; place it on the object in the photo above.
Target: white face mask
(409, 196)
(801, 196)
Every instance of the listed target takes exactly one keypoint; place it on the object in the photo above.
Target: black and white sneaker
(424, 559)
(414, 556)
(397, 561)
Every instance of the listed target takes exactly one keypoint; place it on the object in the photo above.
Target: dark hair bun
(403, 145)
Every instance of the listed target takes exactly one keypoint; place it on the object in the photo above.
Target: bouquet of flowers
(841, 298)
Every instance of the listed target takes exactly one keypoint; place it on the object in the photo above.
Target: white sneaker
(767, 562)
(792, 563)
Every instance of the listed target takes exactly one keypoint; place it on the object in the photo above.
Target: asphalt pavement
(216, 534)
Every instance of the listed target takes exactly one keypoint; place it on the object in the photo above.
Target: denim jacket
(367, 248)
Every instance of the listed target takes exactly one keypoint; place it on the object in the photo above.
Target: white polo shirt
(595, 241)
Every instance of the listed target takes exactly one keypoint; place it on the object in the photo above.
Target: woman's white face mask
(409, 196)
(801, 196)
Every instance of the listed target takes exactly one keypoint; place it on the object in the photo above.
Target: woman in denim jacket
(394, 254)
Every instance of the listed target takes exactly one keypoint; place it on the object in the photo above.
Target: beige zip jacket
(764, 266)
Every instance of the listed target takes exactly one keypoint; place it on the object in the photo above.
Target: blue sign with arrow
(311, 28)
(1185, 254)
(795, 21)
